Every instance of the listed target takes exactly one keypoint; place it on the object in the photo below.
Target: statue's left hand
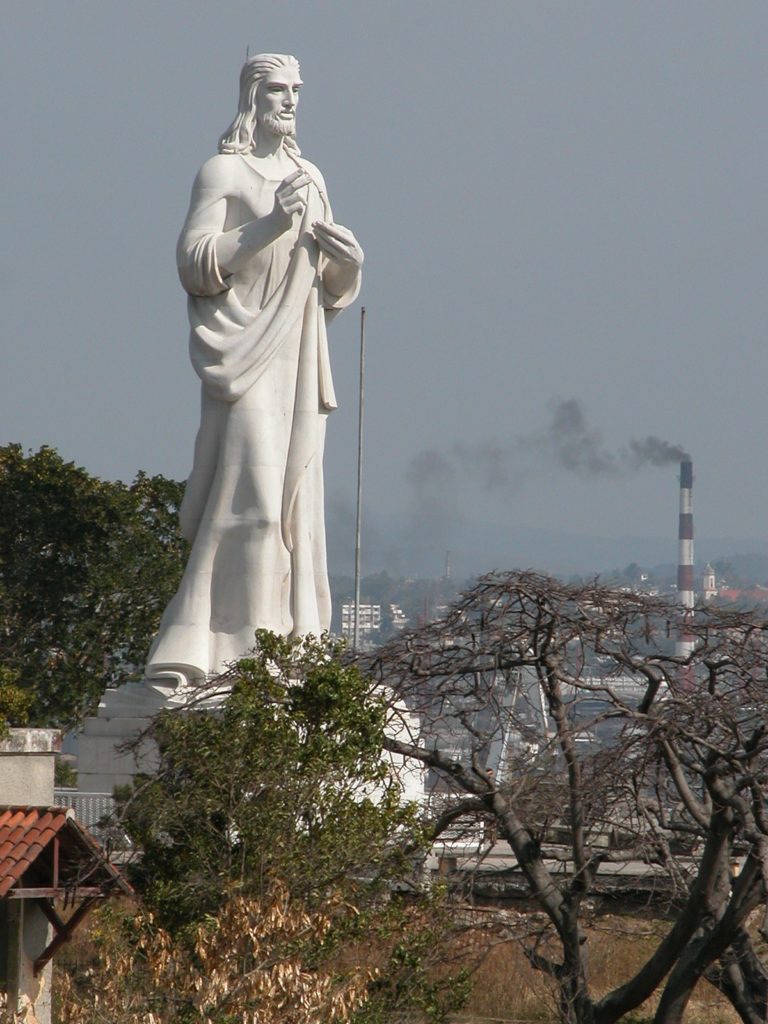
(338, 244)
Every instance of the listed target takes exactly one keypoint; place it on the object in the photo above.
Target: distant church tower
(709, 583)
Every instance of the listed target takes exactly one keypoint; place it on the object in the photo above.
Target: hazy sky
(563, 208)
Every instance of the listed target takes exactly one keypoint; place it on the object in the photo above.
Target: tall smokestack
(685, 641)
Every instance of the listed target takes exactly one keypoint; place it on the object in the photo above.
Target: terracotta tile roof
(27, 849)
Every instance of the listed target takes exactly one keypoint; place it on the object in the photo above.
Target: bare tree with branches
(559, 719)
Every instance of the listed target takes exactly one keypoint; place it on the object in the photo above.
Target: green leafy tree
(273, 841)
(14, 701)
(281, 778)
(86, 567)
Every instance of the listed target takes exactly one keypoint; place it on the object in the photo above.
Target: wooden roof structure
(47, 855)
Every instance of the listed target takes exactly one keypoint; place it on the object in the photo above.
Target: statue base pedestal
(126, 711)
(123, 714)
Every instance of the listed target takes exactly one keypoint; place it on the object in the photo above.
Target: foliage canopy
(274, 842)
(276, 772)
(86, 568)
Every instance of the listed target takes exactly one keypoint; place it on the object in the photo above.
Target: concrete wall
(27, 765)
(123, 714)
(28, 934)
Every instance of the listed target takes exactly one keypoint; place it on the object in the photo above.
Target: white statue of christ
(265, 268)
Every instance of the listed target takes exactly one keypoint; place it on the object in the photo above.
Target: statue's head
(259, 103)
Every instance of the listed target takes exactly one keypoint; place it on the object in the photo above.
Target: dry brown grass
(506, 988)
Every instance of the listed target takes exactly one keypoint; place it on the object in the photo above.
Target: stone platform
(123, 713)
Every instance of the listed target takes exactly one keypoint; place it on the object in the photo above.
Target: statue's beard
(277, 125)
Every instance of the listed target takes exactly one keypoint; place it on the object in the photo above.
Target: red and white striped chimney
(685, 641)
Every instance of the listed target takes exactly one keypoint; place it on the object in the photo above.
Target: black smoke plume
(567, 440)
(579, 448)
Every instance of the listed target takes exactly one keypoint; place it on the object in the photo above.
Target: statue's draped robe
(253, 507)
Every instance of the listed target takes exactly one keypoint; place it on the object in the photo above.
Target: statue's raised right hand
(289, 199)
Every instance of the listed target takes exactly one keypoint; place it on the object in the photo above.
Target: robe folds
(253, 510)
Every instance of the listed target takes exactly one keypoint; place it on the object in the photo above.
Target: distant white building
(399, 618)
(709, 583)
(373, 627)
(370, 621)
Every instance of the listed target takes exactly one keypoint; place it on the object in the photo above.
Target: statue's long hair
(238, 138)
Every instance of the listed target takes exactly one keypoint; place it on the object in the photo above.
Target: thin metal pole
(356, 634)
